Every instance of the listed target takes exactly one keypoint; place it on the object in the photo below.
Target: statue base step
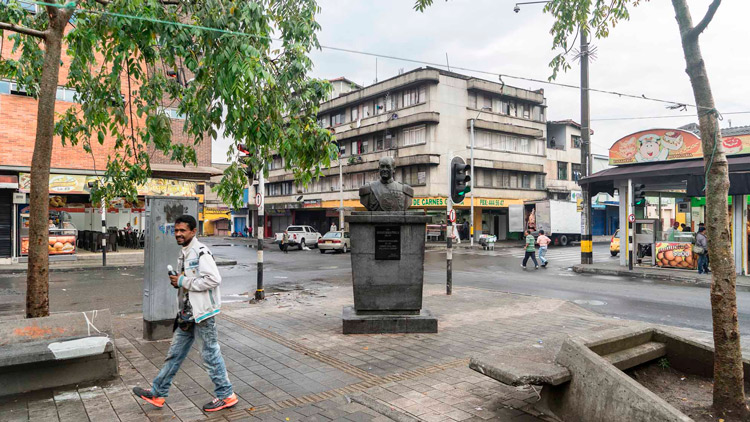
(388, 323)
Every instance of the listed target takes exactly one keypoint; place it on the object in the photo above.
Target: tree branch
(698, 29)
(23, 30)
(164, 2)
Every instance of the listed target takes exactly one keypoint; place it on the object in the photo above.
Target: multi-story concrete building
(422, 118)
(563, 165)
(72, 167)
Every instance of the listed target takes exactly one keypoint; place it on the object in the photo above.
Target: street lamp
(471, 229)
(586, 251)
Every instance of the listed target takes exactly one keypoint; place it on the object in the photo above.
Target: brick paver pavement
(288, 361)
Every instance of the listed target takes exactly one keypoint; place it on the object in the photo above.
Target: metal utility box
(161, 249)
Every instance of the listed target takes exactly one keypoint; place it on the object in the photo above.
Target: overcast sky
(641, 56)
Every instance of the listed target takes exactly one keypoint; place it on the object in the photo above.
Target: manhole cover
(590, 302)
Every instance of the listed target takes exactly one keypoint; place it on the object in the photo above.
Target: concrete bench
(54, 351)
(433, 234)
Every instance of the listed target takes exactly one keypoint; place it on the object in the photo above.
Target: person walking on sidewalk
(530, 250)
(285, 242)
(543, 241)
(702, 242)
(199, 301)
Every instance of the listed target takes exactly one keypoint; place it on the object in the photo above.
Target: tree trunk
(729, 393)
(37, 277)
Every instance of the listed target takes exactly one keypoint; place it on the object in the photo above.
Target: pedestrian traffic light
(639, 194)
(460, 179)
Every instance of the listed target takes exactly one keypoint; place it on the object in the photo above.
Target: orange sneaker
(218, 404)
(148, 396)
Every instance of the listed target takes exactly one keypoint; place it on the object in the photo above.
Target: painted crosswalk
(558, 254)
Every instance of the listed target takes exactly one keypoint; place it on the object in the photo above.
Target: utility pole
(341, 193)
(259, 293)
(471, 222)
(586, 240)
(104, 232)
(449, 232)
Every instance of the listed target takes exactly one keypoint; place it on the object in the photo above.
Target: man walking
(199, 302)
(543, 241)
(530, 250)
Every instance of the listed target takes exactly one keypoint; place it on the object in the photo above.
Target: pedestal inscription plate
(387, 242)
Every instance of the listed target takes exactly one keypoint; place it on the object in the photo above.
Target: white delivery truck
(560, 220)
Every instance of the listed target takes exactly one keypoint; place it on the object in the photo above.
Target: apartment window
(414, 135)
(16, 89)
(380, 105)
(539, 181)
(538, 114)
(342, 149)
(4, 87)
(524, 145)
(562, 170)
(366, 110)
(379, 142)
(512, 109)
(487, 102)
(355, 114)
(389, 141)
(575, 141)
(391, 102)
(323, 121)
(575, 171)
(66, 94)
(413, 96)
(500, 106)
(359, 147)
(414, 175)
(526, 111)
(171, 112)
(526, 181)
(338, 118)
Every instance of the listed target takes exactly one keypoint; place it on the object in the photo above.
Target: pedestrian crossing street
(571, 254)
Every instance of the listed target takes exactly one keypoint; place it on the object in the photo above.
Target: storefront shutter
(6, 218)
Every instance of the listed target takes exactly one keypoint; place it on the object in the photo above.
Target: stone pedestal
(387, 273)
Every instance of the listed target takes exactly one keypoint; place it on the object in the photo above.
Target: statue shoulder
(365, 190)
(408, 190)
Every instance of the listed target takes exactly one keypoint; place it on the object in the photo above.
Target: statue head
(386, 167)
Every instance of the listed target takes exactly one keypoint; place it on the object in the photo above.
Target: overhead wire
(679, 104)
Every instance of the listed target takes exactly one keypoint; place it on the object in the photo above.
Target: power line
(663, 117)
(673, 104)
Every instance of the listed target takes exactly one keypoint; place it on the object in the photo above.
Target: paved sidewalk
(288, 361)
(665, 274)
(122, 259)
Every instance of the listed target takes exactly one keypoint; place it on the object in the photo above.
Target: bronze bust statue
(386, 194)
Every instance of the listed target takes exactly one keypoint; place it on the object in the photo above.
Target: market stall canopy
(659, 145)
(603, 181)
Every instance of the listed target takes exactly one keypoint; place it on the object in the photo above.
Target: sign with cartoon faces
(667, 145)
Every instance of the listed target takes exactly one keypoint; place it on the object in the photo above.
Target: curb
(674, 278)
(52, 269)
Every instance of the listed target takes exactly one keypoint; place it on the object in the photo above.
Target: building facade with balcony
(563, 166)
(422, 118)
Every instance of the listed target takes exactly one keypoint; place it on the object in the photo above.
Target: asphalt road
(120, 289)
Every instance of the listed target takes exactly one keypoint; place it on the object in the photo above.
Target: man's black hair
(187, 219)
(541, 231)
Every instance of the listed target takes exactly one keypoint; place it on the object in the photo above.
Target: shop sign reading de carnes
(387, 242)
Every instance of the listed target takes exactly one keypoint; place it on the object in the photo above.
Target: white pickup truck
(299, 235)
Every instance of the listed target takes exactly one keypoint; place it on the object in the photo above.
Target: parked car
(338, 241)
(299, 235)
(614, 244)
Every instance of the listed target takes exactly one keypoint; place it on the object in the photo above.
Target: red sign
(668, 144)
(631, 218)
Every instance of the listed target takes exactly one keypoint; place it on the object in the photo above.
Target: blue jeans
(702, 263)
(542, 254)
(210, 352)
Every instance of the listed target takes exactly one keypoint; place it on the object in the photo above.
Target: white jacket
(201, 278)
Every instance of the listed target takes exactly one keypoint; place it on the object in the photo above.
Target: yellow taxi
(614, 244)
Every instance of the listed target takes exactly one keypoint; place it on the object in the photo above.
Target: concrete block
(54, 351)
(385, 323)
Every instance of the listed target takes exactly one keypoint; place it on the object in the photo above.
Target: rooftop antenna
(376, 70)
(446, 61)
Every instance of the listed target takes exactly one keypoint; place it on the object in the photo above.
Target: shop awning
(603, 181)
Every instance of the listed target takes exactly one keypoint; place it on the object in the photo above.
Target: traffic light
(460, 179)
(639, 194)
(245, 159)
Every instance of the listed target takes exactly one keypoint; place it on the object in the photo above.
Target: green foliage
(595, 17)
(663, 363)
(256, 88)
